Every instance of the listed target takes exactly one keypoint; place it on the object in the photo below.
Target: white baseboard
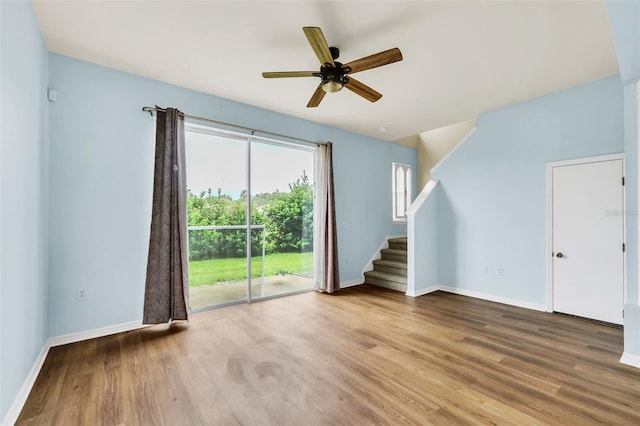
(351, 283)
(96, 332)
(494, 298)
(629, 359)
(422, 291)
(20, 399)
(478, 295)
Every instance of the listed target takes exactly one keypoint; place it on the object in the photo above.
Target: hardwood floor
(363, 356)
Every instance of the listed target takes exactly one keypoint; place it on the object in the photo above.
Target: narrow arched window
(401, 175)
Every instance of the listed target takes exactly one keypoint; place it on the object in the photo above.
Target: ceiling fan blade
(319, 45)
(362, 89)
(376, 60)
(317, 97)
(284, 74)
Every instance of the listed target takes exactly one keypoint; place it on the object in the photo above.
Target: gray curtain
(332, 273)
(166, 295)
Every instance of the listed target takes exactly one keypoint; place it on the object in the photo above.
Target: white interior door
(588, 236)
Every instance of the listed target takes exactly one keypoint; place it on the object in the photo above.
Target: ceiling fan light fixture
(332, 86)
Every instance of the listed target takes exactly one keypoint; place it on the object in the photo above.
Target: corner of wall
(624, 22)
(24, 154)
(435, 146)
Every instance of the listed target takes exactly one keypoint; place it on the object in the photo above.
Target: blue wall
(493, 201)
(624, 21)
(101, 187)
(23, 197)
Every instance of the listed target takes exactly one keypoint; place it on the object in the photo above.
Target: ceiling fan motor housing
(333, 78)
(337, 73)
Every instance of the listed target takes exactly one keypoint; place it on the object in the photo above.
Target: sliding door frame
(248, 138)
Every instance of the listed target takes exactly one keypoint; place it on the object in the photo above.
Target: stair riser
(386, 284)
(390, 270)
(398, 246)
(389, 264)
(398, 240)
(394, 257)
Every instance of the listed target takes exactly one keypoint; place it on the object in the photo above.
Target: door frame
(549, 245)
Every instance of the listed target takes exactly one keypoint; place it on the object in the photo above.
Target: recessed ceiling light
(383, 129)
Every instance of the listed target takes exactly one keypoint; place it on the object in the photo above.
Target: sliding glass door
(282, 203)
(217, 219)
(231, 178)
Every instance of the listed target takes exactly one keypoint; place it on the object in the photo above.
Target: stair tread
(387, 276)
(391, 263)
(394, 251)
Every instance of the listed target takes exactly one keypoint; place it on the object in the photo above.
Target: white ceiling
(460, 58)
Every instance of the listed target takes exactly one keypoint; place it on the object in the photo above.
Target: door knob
(559, 255)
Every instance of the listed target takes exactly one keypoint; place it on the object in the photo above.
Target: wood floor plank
(364, 356)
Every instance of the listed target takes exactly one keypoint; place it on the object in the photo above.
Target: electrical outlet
(500, 271)
(82, 294)
(485, 270)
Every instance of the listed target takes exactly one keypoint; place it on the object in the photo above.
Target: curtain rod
(151, 110)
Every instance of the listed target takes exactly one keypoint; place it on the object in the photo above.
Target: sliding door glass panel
(216, 207)
(282, 219)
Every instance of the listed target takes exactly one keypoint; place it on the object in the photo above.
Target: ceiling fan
(334, 75)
